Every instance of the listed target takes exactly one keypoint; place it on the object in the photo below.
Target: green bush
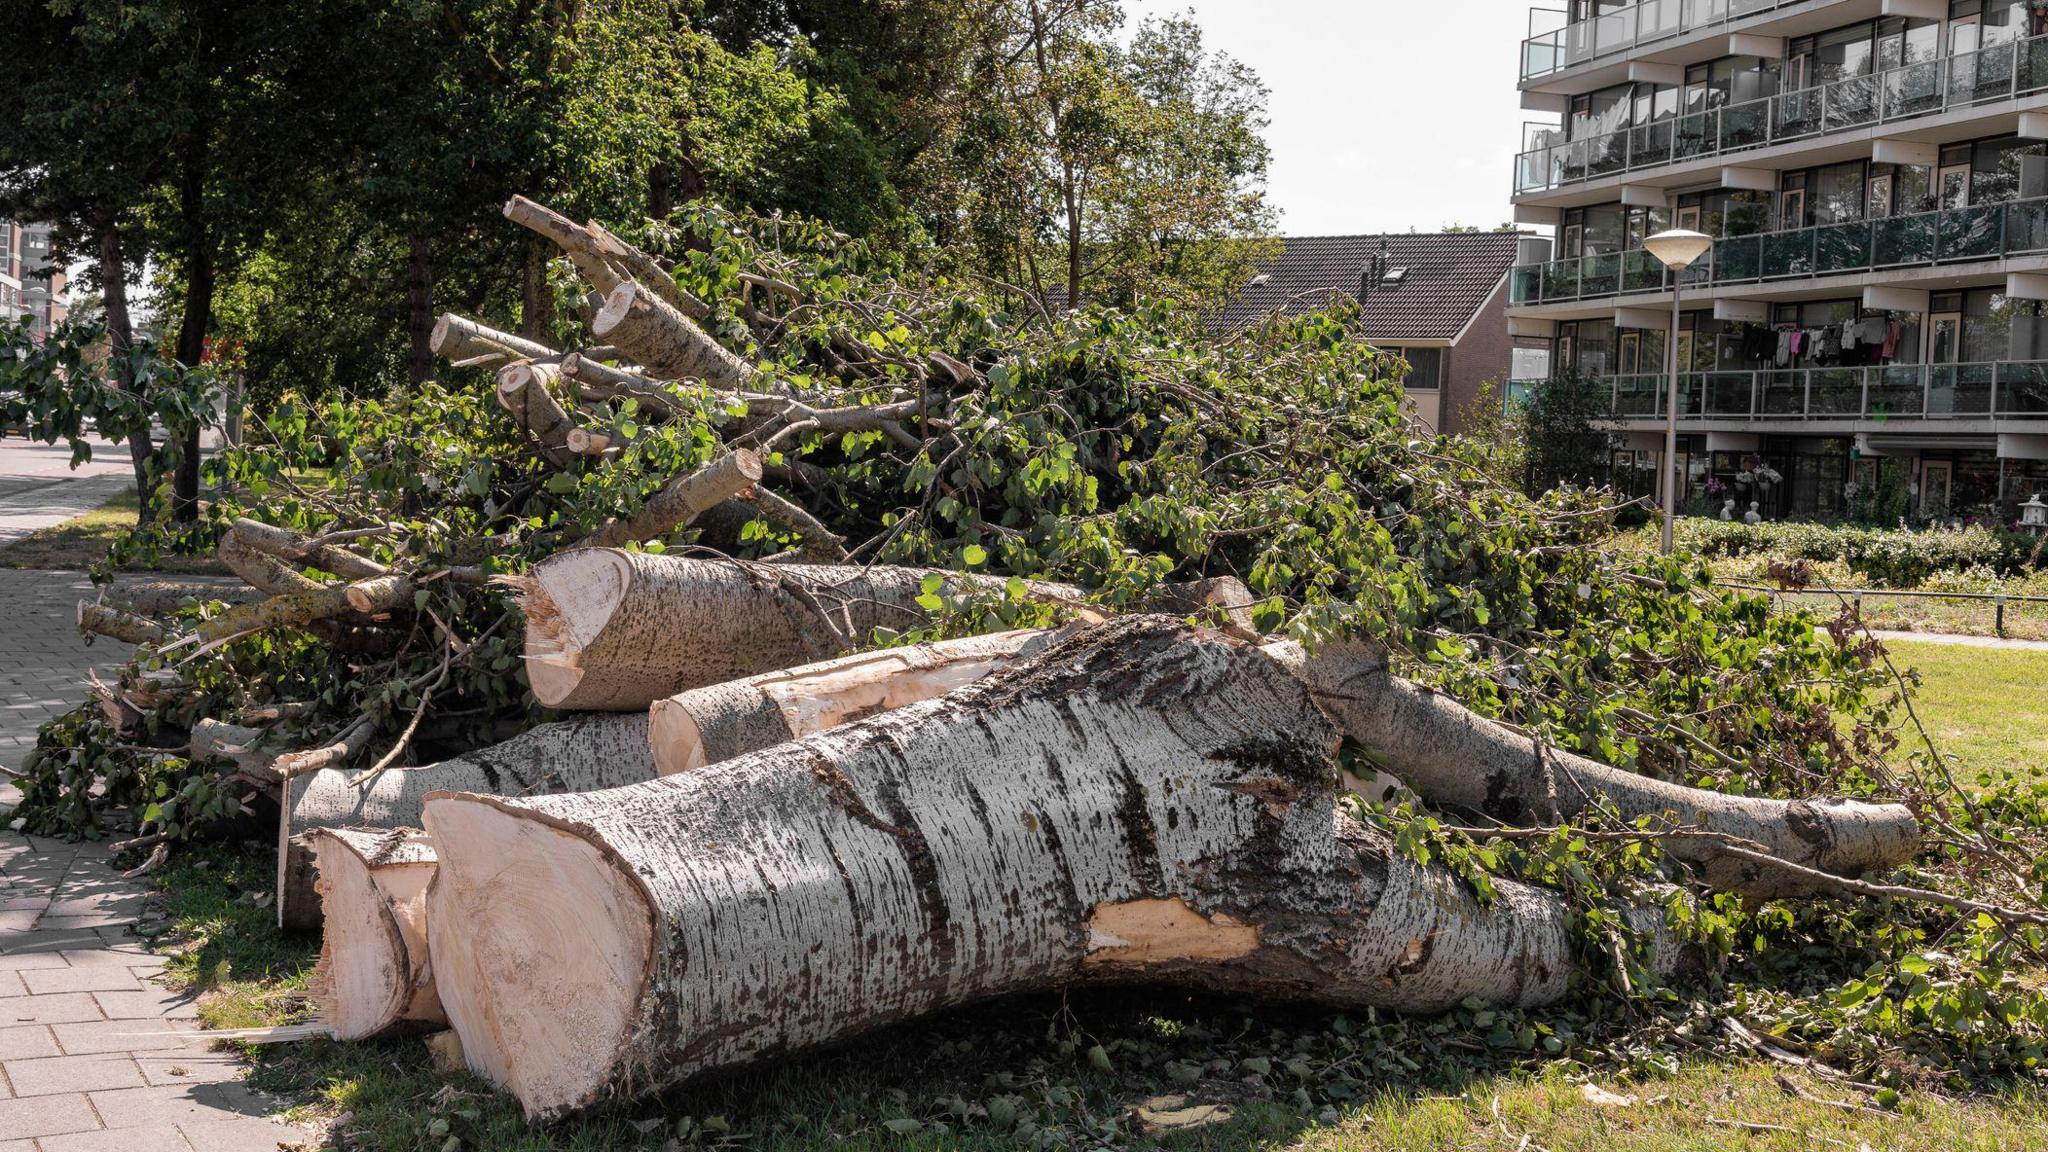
(1883, 556)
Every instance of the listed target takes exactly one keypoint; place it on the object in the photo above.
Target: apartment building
(31, 283)
(1875, 177)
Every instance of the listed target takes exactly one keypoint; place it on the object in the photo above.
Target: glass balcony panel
(1835, 392)
(1788, 253)
(2026, 226)
(2023, 389)
(1526, 284)
(1904, 239)
(1895, 392)
(1601, 275)
(1970, 233)
(1912, 90)
(1697, 134)
(1650, 144)
(1745, 7)
(2032, 65)
(1782, 393)
(1542, 55)
(1606, 155)
(1572, 164)
(1848, 103)
(1960, 389)
(1728, 394)
(1640, 272)
(1797, 114)
(1638, 396)
(1981, 75)
(1745, 125)
(1691, 388)
(1841, 247)
(1737, 258)
(1561, 280)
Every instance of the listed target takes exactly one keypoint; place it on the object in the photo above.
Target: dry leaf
(1601, 1098)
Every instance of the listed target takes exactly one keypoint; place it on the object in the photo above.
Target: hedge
(1887, 556)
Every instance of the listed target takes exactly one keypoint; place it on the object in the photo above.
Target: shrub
(1884, 556)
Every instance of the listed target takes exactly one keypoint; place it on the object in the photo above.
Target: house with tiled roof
(1438, 298)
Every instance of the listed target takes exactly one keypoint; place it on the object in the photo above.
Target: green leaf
(904, 1125)
(1098, 1058)
(975, 555)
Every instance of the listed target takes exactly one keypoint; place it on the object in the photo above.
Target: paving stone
(17, 921)
(98, 978)
(56, 1074)
(56, 1008)
(17, 1146)
(181, 1104)
(244, 1135)
(126, 957)
(10, 985)
(52, 941)
(27, 1041)
(190, 1066)
(145, 1005)
(157, 1138)
(34, 1116)
(24, 961)
(123, 1035)
(92, 920)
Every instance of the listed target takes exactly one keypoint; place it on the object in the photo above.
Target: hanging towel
(1891, 339)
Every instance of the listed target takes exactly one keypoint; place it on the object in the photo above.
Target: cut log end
(618, 303)
(373, 974)
(544, 982)
(440, 334)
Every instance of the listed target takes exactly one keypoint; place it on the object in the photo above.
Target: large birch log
(1143, 802)
(574, 240)
(584, 754)
(523, 394)
(374, 974)
(669, 344)
(683, 499)
(716, 723)
(457, 338)
(1451, 756)
(613, 631)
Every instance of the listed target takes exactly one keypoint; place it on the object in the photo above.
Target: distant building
(31, 284)
(1437, 298)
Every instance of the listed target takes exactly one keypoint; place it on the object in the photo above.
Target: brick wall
(1480, 357)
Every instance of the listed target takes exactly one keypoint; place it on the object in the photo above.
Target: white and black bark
(375, 975)
(683, 499)
(524, 393)
(608, 630)
(1453, 757)
(583, 754)
(1142, 802)
(460, 339)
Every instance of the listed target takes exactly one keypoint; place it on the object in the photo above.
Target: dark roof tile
(1449, 277)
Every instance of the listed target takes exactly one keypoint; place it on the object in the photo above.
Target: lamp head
(1677, 248)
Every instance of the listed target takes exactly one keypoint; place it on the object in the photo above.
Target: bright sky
(1387, 114)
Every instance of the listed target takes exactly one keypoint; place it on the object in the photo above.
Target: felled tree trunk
(374, 975)
(667, 343)
(1143, 802)
(584, 754)
(523, 393)
(462, 340)
(716, 723)
(684, 499)
(612, 631)
(1451, 756)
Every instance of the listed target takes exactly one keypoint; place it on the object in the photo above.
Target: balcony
(1951, 236)
(2001, 72)
(1996, 390)
(1647, 22)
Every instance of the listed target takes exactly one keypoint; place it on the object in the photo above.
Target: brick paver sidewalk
(95, 1054)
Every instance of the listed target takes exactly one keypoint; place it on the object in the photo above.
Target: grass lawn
(82, 541)
(1010, 1074)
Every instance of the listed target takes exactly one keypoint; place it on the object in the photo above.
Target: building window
(1425, 368)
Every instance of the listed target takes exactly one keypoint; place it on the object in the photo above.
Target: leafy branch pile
(759, 399)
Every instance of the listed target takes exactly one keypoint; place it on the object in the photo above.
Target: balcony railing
(2001, 390)
(2000, 72)
(1951, 236)
(1646, 22)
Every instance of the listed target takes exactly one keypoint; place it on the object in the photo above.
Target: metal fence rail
(1856, 595)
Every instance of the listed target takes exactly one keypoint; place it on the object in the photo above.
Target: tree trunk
(523, 393)
(537, 297)
(569, 236)
(683, 499)
(615, 631)
(120, 340)
(198, 313)
(1452, 756)
(374, 974)
(1142, 802)
(583, 754)
(667, 343)
(458, 338)
(717, 723)
(419, 296)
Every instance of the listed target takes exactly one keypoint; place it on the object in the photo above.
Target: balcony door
(1952, 182)
(1944, 337)
(1935, 479)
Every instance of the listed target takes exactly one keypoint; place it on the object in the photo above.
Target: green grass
(82, 541)
(1987, 708)
(940, 1080)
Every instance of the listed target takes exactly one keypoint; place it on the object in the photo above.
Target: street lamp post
(1676, 249)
